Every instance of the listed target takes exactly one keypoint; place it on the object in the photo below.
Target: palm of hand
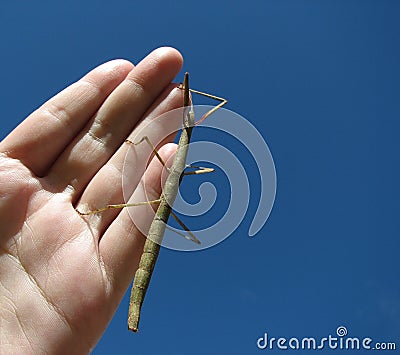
(52, 274)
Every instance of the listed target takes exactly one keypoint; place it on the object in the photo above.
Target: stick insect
(159, 224)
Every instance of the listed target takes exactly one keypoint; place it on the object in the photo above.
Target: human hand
(62, 278)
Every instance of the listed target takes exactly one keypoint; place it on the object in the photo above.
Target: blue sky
(320, 81)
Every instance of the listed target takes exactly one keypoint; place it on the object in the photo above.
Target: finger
(119, 177)
(122, 244)
(43, 135)
(114, 121)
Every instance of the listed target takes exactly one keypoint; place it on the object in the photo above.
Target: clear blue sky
(320, 81)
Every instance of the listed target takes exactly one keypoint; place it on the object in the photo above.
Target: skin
(62, 276)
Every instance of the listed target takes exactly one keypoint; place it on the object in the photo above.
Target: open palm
(62, 275)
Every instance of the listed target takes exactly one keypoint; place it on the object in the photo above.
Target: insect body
(157, 228)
